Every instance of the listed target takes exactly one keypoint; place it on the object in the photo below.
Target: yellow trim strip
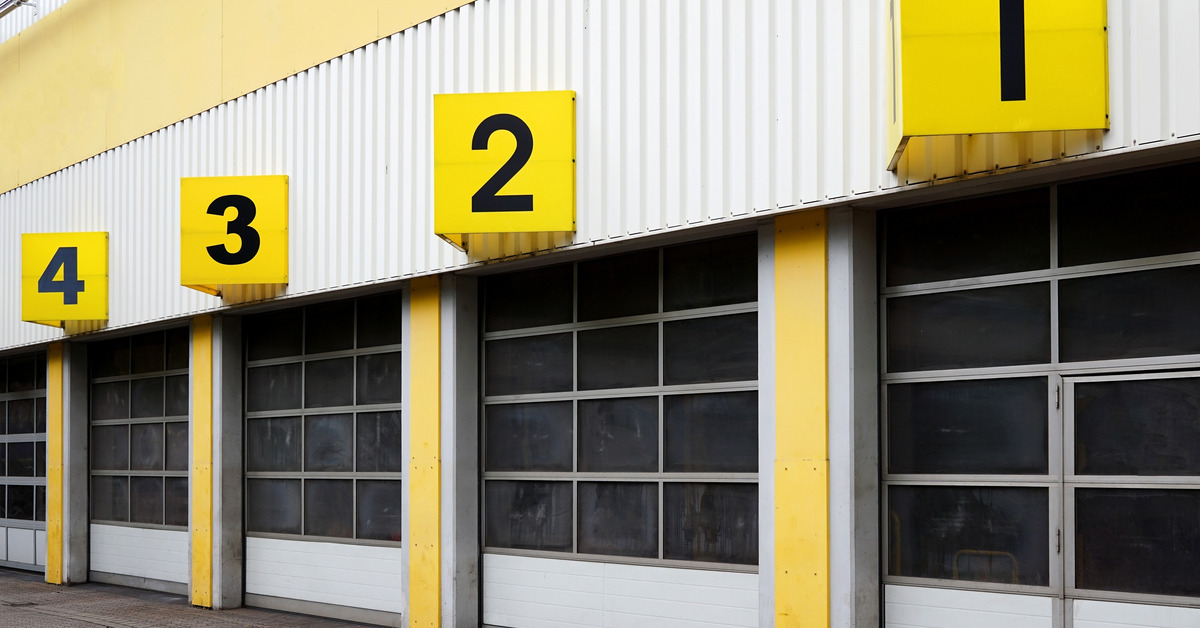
(202, 459)
(801, 421)
(424, 472)
(54, 463)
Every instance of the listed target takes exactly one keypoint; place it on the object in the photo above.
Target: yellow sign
(234, 231)
(64, 277)
(503, 163)
(996, 66)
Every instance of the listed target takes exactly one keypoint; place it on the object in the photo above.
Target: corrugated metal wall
(689, 112)
(23, 17)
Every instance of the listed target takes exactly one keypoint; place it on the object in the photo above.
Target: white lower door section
(357, 576)
(1093, 614)
(923, 607)
(140, 552)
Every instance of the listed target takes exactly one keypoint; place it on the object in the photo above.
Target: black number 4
(487, 199)
(239, 226)
(66, 258)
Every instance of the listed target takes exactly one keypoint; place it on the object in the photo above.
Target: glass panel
(274, 335)
(39, 372)
(177, 395)
(618, 357)
(329, 327)
(618, 518)
(1137, 540)
(974, 426)
(711, 522)
(39, 415)
(3, 502)
(618, 434)
(20, 502)
(146, 447)
(378, 442)
(715, 349)
(379, 515)
(970, 328)
(39, 458)
(177, 446)
(146, 500)
(380, 378)
(981, 534)
(3, 382)
(110, 401)
(147, 397)
(1130, 315)
(528, 365)
(976, 237)
(329, 443)
(148, 352)
(710, 273)
(1094, 224)
(22, 373)
(329, 383)
(39, 503)
(3, 459)
(110, 447)
(622, 285)
(1138, 427)
(109, 358)
(528, 515)
(110, 498)
(528, 436)
(329, 508)
(22, 416)
(716, 433)
(531, 298)
(273, 444)
(273, 387)
(273, 506)
(176, 499)
(178, 344)
(379, 320)
(20, 460)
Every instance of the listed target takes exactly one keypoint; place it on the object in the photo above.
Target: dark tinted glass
(39, 371)
(528, 365)
(528, 436)
(20, 502)
(969, 329)
(3, 502)
(980, 534)
(379, 320)
(22, 373)
(22, 416)
(273, 444)
(273, 506)
(110, 401)
(110, 498)
(146, 500)
(110, 447)
(39, 503)
(3, 459)
(108, 358)
(528, 515)
(177, 446)
(176, 504)
(329, 383)
(1137, 540)
(715, 272)
(1094, 224)
(618, 518)
(39, 415)
(380, 377)
(531, 298)
(178, 345)
(274, 335)
(146, 450)
(712, 522)
(147, 397)
(39, 458)
(618, 357)
(329, 443)
(623, 285)
(714, 433)
(177, 395)
(379, 515)
(715, 349)
(329, 508)
(972, 238)
(329, 327)
(1130, 315)
(3, 377)
(973, 426)
(618, 434)
(148, 352)
(1138, 427)
(21, 460)
(273, 387)
(378, 442)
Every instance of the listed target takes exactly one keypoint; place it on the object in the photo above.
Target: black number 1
(239, 226)
(487, 199)
(1012, 49)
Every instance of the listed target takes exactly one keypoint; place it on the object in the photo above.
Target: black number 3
(487, 199)
(239, 226)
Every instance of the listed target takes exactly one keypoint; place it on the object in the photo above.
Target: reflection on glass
(273, 506)
(618, 434)
(528, 436)
(528, 515)
(618, 518)
(711, 522)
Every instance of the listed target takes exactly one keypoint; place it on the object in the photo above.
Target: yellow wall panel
(202, 462)
(54, 463)
(425, 468)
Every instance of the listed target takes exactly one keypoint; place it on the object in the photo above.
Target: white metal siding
(357, 576)
(24, 17)
(140, 552)
(551, 593)
(923, 607)
(1093, 614)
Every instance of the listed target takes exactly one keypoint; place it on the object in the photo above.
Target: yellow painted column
(54, 463)
(424, 470)
(801, 422)
(202, 461)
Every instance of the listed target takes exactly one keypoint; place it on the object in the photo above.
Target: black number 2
(239, 226)
(66, 258)
(487, 199)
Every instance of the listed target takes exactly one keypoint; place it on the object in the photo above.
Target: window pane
(273, 506)
(618, 434)
(531, 298)
(273, 444)
(147, 397)
(982, 534)
(1137, 540)
(110, 498)
(1138, 427)
(110, 401)
(22, 373)
(20, 502)
(148, 352)
(974, 426)
(20, 460)
(109, 358)
(178, 344)
(715, 349)
(379, 320)
(380, 378)
(329, 383)
(39, 457)
(177, 446)
(528, 515)
(110, 447)
(39, 415)
(976, 237)
(329, 508)
(622, 285)
(273, 387)
(1130, 315)
(379, 515)
(715, 433)
(618, 518)
(329, 327)
(970, 328)
(329, 443)
(3, 384)
(146, 500)
(22, 416)
(39, 372)
(711, 522)
(379, 440)
(176, 499)
(39, 503)
(528, 365)
(177, 395)
(710, 273)
(146, 447)
(274, 335)
(528, 436)
(4, 459)
(619, 357)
